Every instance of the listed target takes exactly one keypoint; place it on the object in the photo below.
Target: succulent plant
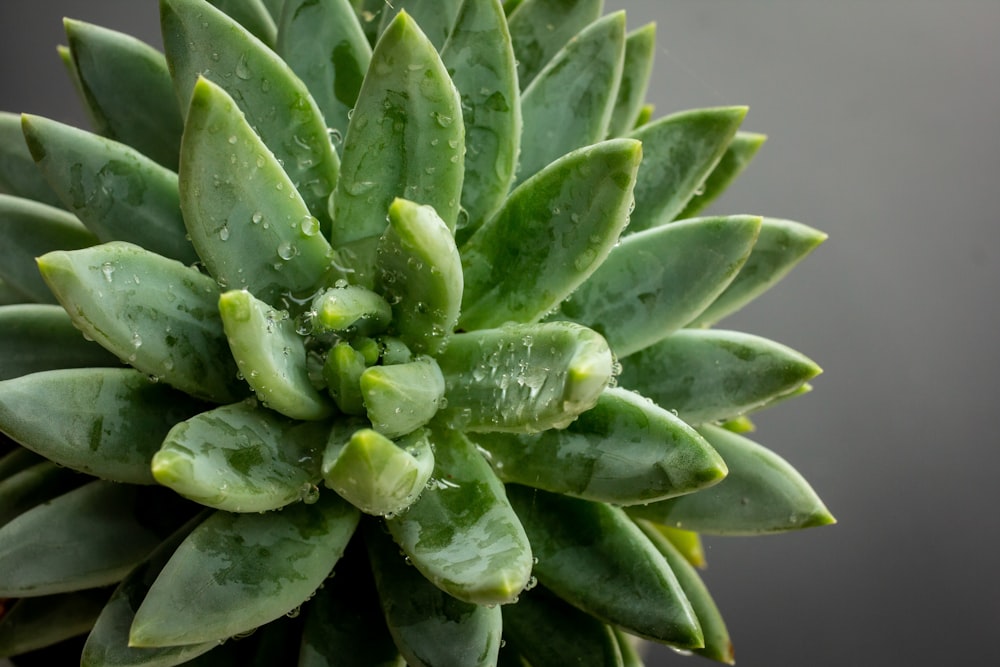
(360, 334)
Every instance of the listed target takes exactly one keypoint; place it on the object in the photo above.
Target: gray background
(882, 122)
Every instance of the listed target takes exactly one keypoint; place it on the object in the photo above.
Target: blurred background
(882, 117)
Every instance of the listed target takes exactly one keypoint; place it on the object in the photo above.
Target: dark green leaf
(551, 234)
(126, 85)
(155, 312)
(638, 65)
(242, 458)
(436, 18)
(710, 375)
(14, 459)
(462, 533)
(589, 553)
(252, 15)
(33, 486)
(116, 191)
(18, 176)
(540, 28)
(40, 337)
(569, 104)
(680, 152)
(37, 622)
(106, 422)
(430, 627)
(10, 296)
(29, 229)
(624, 450)
(761, 494)
(737, 157)
(238, 571)
(369, 14)
(656, 281)
(274, 8)
(628, 646)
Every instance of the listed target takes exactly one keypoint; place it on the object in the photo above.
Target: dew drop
(287, 250)
(224, 233)
(108, 269)
(309, 226)
(233, 139)
(256, 218)
(243, 68)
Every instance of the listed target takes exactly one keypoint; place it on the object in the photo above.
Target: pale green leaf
(18, 175)
(540, 28)
(400, 398)
(739, 152)
(640, 48)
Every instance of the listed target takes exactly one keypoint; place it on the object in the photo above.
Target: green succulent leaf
(780, 246)
(242, 458)
(74, 76)
(761, 494)
(107, 645)
(429, 626)
(686, 542)
(271, 357)
(369, 14)
(89, 537)
(462, 533)
(127, 88)
(436, 18)
(624, 450)
(569, 104)
(523, 378)
(41, 337)
(551, 234)
(718, 646)
(116, 191)
(375, 474)
(342, 372)
(482, 64)
(250, 227)
(10, 296)
(540, 28)
(640, 47)
(402, 397)
(325, 44)
(235, 572)
(711, 375)
(18, 176)
(588, 553)
(29, 229)
(739, 152)
(656, 281)
(14, 459)
(261, 83)
(645, 115)
(36, 622)
(420, 273)
(406, 138)
(548, 631)
(349, 310)
(252, 15)
(32, 486)
(274, 8)
(155, 312)
(681, 151)
(627, 646)
(106, 422)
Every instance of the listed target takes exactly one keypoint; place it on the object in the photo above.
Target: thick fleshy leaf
(687, 542)
(628, 646)
(420, 273)
(551, 234)
(245, 217)
(274, 8)
(569, 104)
(645, 115)
(10, 296)
(681, 150)
(14, 459)
(640, 47)
(523, 378)
(436, 18)
(349, 310)
(462, 533)
(656, 281)
(589, 553)
(89, 537)
(400, 398)
(242, 458)
(481, 61)
(739, 152)
(116, 191)
(29, 229)
(548, 631)
(270, 355)
(17, 175)
(342, 372)
(710, 375)
(277, 104)
(106, 422)
(761, 494)
(375, 474)
(36, 622)
(406, 138)
(107, 644)
(252, 15)
(369, 14)
(66, 57)
(540, 28)
(33, 486)
(430, 627)
(325, 44)
(155, 312)
(624, 450)
(718, 646)
(41, 337)
(127, 88)
(780, 246)
(238, 571)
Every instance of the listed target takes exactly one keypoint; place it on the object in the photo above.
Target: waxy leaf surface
(41, 337)
(540, 28)
(636, 70)
(399, 398)
(739, 152)
(252, 15)
(18, 176)
(436, 18)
